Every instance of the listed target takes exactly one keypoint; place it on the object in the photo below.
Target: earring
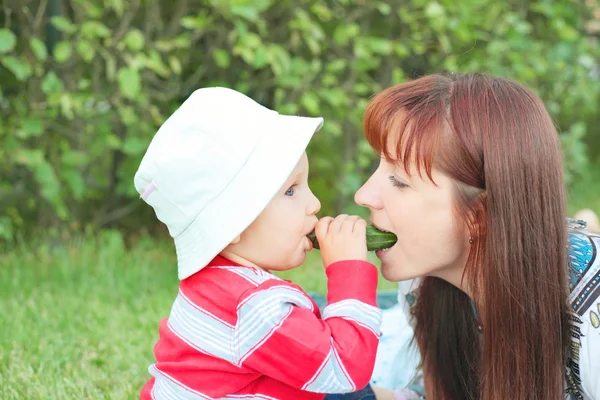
(470, 240)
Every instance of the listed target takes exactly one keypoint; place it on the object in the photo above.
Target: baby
(228, 177)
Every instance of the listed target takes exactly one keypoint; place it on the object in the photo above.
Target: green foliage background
(84, 84)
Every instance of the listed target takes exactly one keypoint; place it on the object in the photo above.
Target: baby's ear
(236, 240)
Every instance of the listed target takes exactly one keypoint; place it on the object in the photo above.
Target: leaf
(434, 10)
(196, 23)
(334, 128)
(74, 158)
(164, 45)
(260, 58)
(188, 22)
(336, 97)
(66, 105)
(398, 76)
(587, 61)
(337, 66)
(135, 40)
(75, 182)
(113, 142)
(321, 11)
(6, 228)
(175, 65)
(30, 127)
(279, 59)
(344, 32)
(20, 70)
(241, 28)
(129, 82)
(84, 84)
(361, 50)
(340, 35)
(384, 8)
(361, 88)
(221, 58)
(118, 6)
(310, 102)
(8, 40)
(182, 41)
(94, 29)
(289, 109)
(246, 11)
(63, 24)
(29, 157)
(134, 146)
(49, 184)
(380, 46)
(93, 11)
(569, 33)
(63, 51)
(52, 84)
(155, 63)
(128, 115)
(39, 49)
(85, 50)
(312, 44)
(401, 50)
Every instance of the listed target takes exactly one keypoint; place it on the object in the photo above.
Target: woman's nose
(368, 196)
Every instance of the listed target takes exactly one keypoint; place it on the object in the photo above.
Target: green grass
(79, 321)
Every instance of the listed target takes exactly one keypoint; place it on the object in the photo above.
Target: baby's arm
(279, 335)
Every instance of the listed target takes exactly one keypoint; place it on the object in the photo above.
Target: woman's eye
(396, 182)
(290, 191)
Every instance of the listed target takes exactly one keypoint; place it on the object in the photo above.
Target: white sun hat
(213, 167)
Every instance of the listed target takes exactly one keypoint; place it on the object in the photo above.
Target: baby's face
(277, 240)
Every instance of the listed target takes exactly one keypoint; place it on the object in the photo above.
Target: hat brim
(247, 195)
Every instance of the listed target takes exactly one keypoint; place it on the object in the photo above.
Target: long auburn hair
(495, 139)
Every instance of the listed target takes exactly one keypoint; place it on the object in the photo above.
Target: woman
(471, 181)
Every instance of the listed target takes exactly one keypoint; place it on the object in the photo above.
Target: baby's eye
(290, 191)
(396, 182)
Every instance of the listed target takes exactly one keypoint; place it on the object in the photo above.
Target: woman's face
(432, 239)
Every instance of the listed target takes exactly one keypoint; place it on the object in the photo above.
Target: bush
(86, 83)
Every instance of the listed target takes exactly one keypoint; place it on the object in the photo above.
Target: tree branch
(174, 25)
(114, 215)
(40, 15)
(126, 22)
(152, 18)
(7, 15)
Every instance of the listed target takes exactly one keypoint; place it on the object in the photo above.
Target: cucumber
(376, 239)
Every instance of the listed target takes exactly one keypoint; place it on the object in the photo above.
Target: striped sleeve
(279, 334)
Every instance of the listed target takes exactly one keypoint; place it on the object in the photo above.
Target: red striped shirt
(238, 332)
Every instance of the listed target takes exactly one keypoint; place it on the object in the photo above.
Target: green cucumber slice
(376, 239)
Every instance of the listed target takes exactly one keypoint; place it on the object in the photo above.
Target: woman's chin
(394, 269)
(389, 273)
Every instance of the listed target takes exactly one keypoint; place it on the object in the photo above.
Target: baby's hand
(342, 238)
